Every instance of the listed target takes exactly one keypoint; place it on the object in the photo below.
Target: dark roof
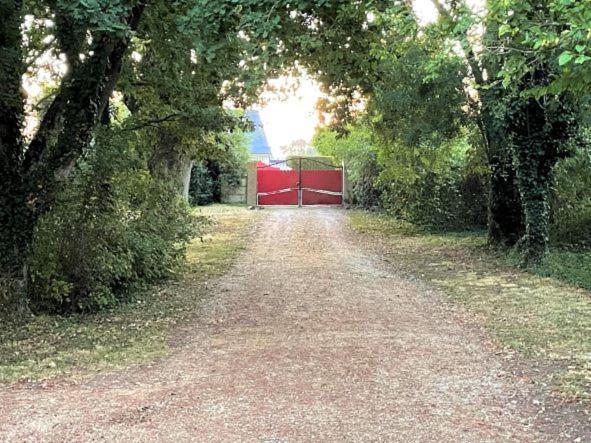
(258, 139)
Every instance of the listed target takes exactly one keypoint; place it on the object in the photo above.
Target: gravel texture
(308, 337)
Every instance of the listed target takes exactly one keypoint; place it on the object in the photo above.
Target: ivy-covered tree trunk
(505, 214)
(534, 177)
(12, 201)
(15, 224)
(539, 129)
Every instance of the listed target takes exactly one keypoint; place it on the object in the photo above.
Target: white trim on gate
(280, 191)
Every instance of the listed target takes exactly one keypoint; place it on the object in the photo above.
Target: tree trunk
(167, 162)
(29, 185)
(14, 221)
(505, 213)
(534, 179)
(187, 178)
(539, 129)
(12, 201)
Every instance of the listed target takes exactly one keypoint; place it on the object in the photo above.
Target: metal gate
(301, 181)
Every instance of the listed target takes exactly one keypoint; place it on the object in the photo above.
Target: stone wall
(235, 195)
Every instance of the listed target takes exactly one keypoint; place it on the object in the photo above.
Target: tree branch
(471, 59)
(153, 122)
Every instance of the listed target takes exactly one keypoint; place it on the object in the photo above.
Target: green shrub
(113, 228)
(225, 167)
(571, 202)
(441, 186)
(201, 186)
(358, 153)
(570, 266)
(452, 200)
(363, 172)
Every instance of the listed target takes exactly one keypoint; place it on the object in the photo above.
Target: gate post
(251, 184)
(300, 192)
(344, 192)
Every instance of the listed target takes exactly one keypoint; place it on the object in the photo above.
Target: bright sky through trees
(290, 118)
(294, 117)
(286, 117)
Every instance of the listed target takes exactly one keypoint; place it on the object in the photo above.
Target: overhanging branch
(153, 122)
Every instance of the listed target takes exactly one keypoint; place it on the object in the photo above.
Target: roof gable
(258, 140)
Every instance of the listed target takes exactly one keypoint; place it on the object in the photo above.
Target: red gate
(300, 181)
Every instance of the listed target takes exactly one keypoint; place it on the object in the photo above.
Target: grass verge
(540, 317)
(49, 346)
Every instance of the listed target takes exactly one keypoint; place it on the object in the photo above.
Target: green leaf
(564, 58)
(504, 29)
(582, 59)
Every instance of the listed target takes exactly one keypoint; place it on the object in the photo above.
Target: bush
(441, 186)
(224, 168)
(113, 228)
(443, 201)
(363, 172)
(571, 202)
(201, 186)
(361, 164)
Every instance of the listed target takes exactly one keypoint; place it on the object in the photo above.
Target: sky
(291, 118)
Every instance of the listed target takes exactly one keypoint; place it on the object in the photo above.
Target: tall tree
(36, 172)
(542, 115)
(505, 214)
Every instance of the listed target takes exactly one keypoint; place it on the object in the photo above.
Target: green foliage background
(225, 170)
(114, 228)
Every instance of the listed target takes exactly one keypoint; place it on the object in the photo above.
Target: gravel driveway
(308, 337)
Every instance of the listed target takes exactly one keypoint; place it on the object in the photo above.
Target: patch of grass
(49, 346)
(539, 316)
(570, 266)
